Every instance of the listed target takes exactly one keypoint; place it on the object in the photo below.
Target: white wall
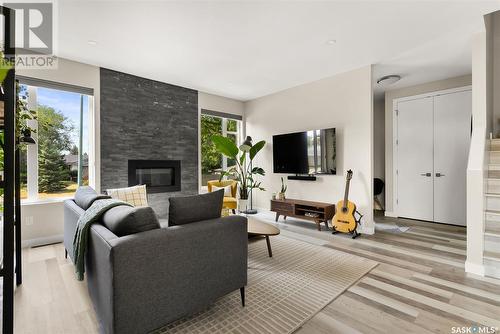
(477, 164)
(343, 101)
(461, 81)
(219, 103)
(493, 31)
(379, 143)
(42, 222)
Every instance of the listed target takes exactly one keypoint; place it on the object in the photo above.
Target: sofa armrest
(162, 275)
(99, 274)
(72, 213)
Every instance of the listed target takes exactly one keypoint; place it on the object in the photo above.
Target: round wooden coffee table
(258, 227)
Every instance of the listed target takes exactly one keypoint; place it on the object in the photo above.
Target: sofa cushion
(135, 195)
(227, 190)
(85, 196)
(189, 209)
(124, 220)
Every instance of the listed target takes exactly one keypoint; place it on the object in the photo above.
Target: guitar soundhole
(345, 210)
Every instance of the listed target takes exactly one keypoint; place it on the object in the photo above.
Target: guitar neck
(346, 194)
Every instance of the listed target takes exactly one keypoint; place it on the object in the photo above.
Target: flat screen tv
(308, 152)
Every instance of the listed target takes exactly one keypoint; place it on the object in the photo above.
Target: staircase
(491, 253)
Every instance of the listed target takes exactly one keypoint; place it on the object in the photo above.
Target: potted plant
(243, 171)
(284, 187)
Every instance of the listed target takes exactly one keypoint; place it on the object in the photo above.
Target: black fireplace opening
(158, 175)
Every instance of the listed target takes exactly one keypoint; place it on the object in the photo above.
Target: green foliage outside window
(53, 140)
(210, 158)
(232, 125)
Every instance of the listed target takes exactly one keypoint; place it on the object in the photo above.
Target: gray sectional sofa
(143, 280)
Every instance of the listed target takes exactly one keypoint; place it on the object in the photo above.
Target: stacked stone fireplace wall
(142, 119)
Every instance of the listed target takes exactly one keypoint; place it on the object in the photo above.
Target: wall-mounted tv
(307, 152)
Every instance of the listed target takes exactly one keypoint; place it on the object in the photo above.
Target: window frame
(238, 134)
(32, 168)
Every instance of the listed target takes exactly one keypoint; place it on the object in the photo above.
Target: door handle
(439, 174)
(426, 174)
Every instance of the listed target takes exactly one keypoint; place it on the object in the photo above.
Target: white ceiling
(250, 49)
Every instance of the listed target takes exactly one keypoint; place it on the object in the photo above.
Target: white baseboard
(474, 268)
(391, 214)
(42, 241)
(492, 271)
(262, 209)
(367, 229)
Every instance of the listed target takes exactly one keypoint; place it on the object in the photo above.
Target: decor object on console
(230, 202)
(243, 172)
(284, 187)
(304, 210)
(135, 195)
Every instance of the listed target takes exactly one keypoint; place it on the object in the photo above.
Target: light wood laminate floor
(419, 286)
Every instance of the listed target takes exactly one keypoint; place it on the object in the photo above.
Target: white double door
(433, 138)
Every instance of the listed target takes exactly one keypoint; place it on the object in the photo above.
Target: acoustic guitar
(344, 220)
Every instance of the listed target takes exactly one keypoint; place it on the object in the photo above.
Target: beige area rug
(282, 292)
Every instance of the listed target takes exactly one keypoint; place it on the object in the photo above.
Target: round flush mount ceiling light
(331, 41)
(389, 80)
(92, 42)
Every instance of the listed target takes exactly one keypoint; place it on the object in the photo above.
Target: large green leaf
(242, 159)
(225, 146)
(256, 148)
(258, 170)
(244, 148)
(224, 173)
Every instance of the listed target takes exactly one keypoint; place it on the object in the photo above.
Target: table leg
(326, 225)
(318, 223)
(277, 216)
(269, 250)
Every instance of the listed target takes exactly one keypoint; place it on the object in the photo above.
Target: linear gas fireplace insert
(158, 175)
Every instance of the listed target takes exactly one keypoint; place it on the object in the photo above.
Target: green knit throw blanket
(93, 214)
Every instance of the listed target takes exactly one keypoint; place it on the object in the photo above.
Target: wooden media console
(317, 212)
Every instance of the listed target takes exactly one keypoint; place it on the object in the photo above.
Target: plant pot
(281, 196)
(242, 204)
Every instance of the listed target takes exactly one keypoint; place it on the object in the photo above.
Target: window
(59, 161)
(212, 162)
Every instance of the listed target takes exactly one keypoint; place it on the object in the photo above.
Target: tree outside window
(62, 118)
(212, 162)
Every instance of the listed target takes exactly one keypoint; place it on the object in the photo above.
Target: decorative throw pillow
(185, 210)
(85, 196)
(135, 195)
(227, 190)
(124, 220)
